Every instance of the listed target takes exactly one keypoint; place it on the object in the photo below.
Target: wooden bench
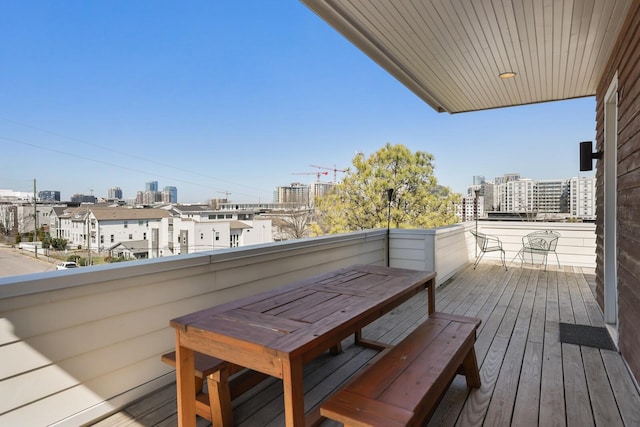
(403, 384)
(214, 404)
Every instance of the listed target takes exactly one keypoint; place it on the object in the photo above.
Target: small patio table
(277, 332)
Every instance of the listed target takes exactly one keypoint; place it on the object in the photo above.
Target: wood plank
(538, 315)
(502, 401)
(605, 410)
(592, 308)
(564, 299)
(475, 408)
(577, 303)
(488, 329)
(625, 392)
(526, 408)
(509, 321)
(552, 409)
(576, 394)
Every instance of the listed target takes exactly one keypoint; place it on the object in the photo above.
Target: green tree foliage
(360, 201)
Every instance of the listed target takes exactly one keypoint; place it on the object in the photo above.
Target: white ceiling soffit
(451, 52)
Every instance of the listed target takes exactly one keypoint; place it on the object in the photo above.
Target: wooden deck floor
(528, 377)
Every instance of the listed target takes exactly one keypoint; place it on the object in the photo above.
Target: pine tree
(361, 202)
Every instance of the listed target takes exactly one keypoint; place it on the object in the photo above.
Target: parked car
(65, 265)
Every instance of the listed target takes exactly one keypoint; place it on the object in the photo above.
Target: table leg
(185, 382)
(431, 290)
(220, 398)
(292, 382)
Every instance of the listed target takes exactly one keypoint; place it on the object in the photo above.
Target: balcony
(528, 376)
(82, 345)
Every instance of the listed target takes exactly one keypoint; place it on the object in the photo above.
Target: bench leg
(220, 398)
(336, 349)
(470, 369)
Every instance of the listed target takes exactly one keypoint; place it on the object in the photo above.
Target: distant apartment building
(320, 189)
(49, 196)
(536, 199)
(298, 194)
(148, 198)
(582, 197)
(467, 209)
(294, 193)
(551, 196)
(516, 196)
(115, 193)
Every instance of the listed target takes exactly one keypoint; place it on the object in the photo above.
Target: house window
(130, 236)
(102, 239)
(126, 224)
(112, 238)
(144, 236)
(201, 236)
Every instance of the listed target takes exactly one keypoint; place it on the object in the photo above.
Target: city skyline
(470, 184)
(233, 98)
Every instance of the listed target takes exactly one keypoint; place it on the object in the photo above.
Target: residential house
(108, 225)
(198, 228)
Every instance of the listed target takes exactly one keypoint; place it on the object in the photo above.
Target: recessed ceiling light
(507, 75)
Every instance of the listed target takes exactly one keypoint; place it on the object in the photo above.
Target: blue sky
(232, 96)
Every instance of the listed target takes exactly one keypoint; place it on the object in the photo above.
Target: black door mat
(592, 336)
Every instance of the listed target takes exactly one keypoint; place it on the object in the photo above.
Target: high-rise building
(170, 194)
(294, 193)
(115, 193)
(151, 186)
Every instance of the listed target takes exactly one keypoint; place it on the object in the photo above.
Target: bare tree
(294, 224)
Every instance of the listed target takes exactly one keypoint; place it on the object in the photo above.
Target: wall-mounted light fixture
(587, 155)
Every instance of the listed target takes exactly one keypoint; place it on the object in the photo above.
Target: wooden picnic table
(278, 331)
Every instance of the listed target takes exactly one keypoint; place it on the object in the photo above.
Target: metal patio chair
(488, 243)
(539, 243)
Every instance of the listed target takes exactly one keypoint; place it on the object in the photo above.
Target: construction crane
(311, 173)
(226, 195)
(335, 171)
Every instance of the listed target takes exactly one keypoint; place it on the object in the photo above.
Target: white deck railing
(76, 345)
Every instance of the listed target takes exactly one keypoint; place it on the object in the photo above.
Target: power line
(126, 154)
(172, 179)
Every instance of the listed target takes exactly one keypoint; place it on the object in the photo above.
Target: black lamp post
(389, 198)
